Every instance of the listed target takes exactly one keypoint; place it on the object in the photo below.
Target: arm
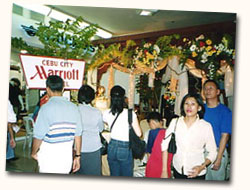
(222, 146)
(164, 173)
(136, 125)
(20, 98)
(35, 147)
(12, 139)
(76, 162)
(100, 123)
(150, 143)
(197, 169)
(210, 147)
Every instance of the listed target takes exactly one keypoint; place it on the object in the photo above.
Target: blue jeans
(9, 151)
(120, 158)
(219, 175)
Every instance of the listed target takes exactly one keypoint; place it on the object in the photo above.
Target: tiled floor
(25, 163)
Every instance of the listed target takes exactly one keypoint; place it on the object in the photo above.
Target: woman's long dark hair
(117, 94)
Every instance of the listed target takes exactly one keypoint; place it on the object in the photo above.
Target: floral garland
(207, 55)
(224, 52)
(169, 96)
(146, 55)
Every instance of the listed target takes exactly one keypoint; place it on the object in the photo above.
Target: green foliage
(103, 55)
(166, 47)
(61, 39)
(146, 92)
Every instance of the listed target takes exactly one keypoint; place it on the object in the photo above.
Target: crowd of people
(67, 136)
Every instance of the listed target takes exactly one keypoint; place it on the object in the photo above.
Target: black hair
(213, 81)
(17, 81)
(154, 116)
(117, 95)
(86, 94)
(55, 83)
(198, 99)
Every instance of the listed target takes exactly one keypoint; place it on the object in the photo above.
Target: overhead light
(23, 51)
(103, 33)
(52, 13)
(36, 8)
(59, 15)
(148, 12)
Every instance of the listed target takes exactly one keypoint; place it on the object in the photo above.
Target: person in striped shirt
(57, 132)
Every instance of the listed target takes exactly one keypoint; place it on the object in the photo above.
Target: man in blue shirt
(220, 118)
(57, 129)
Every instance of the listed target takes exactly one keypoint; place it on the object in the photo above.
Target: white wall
(120, 78)
(18, 31)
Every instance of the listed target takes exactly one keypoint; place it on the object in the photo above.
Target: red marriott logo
(66, 75)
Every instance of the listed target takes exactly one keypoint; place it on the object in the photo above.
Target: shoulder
(204, 123)
(224, 111)
(95, 110)
(107, 113)
(224, 108)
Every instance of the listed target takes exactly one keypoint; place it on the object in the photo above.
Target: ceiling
(121, 21)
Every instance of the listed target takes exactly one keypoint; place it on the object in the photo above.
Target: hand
(12, 143)
(76, 164)
(195, 171)
(164, 174)
(216, 165)
(34, 156)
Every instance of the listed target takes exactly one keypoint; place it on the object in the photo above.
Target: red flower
(202, 43)
(145, 51)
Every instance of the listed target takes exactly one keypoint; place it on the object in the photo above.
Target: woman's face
(191, 107)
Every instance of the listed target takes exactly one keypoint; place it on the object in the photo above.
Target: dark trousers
(90, 163)
(180, 176)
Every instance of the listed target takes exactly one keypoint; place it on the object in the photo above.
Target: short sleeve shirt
(151, 138)
(57, 121)
(220, 118)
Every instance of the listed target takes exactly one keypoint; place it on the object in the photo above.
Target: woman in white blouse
(120, 158)
(194, 136)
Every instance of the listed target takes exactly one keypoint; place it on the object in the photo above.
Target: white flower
(204, 60)
(221, 47)
(157, 49)
(201, 37)
(192, 48)
(204, 55)
(147, 45)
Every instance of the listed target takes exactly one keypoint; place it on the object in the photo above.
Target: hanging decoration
(202, 56)
(207, 55)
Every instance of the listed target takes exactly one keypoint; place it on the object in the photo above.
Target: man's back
(57, 124)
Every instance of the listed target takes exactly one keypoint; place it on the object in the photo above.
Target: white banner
(37, 68)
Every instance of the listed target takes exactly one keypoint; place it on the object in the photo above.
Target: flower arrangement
(146, 55)
(169, 96)
(204, 54)
(207, 54)
(224, 52)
